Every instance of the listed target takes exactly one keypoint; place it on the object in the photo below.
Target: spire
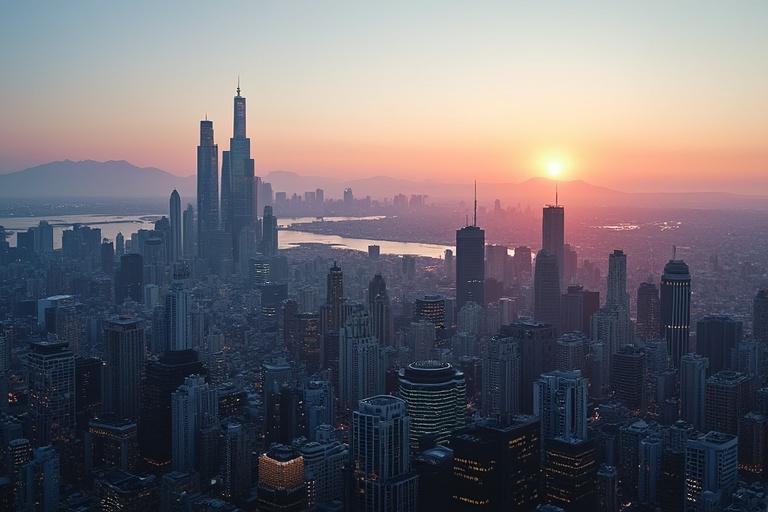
(556, 203)
(474, 218)
(238, 85)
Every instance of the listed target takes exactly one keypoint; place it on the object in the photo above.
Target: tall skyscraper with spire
(553, 234)
(237, 202)
(470, 262)
(207, 190)
(676, 309)
(175, 214)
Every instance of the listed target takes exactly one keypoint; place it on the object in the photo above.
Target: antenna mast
(474, 219)
(556, 200)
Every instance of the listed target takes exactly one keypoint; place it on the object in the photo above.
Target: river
(111, 225)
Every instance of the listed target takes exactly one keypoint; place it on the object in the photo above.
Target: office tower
(501, 379)
(46, 311)
(693, 375)
(111, 442)
(607, 489)
(348, 196)
(360, 372)
(380, 456)
(628, 375)
(194, 407)
(650, 460)
(188, 233)
(374, 251)
(617, 280)
(648, 311)
(570, 264)
(726, 399)
(716, 339)
(760, 316)
(421, 336)
(577, 306)
(409, 267)
(496, 468)
(470, 319)
(435, 396)
(324, 464)
(281, 480)
(279, 398)
(546, 286)
(711, 467)
(434, 468)
(628, 456)
(237, 204)
(130, 279)
(610, 326)
(553, 235)
(570, 474)
(753, 444)
(124, 347)
(318, 406)
(470, 263)
(432, 309)
(119, 245)
(449, 264)
(333, 311)
(269, 243)
(381, 311)
(207, 190)
(536, 342)
(675, 302)
(162, 377)
(89, 377)
(496, 260)
(175, 247)
(178, 309)
(107, 257)
(571, 351)
(560, 400)
(124, 491)
(236, 463)
(39, 481)
(51, 391)
(521, 262)
(68, 324)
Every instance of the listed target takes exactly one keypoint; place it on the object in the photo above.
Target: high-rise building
(360, 372)
(39, 481)
(237, 178)
(178, 310)
(570, 473)
(546, 284)
(436, 400)
(553, 235)
(207, 190)
(571, 351)
(617, 280)
(628, 374)
(51, 391)
(648, 311)
(188, 233)
(122, 490)
(676, 309)
(324, 463)
(130, 279)
(333, 311)
(760, 316)
(470, 265)
(431, 308)
(496, 468)
(521, 262)
(89, 376)
(281, 480)
(111, 442)
(124, 347)
(650, 469)
(235, 463)
(175, 247)
(501, 379)
(380, 456)
(380, 308)
(194, 407)
(577, 306)
(711, 466)
(560, 400)
(607, 489)
(716, 338)
(727, 398)
(693, 376)
(496, 261)
(269, 243)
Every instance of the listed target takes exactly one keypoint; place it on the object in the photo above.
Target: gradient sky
(633, 95)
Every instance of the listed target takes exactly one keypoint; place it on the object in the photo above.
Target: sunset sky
(632, 95)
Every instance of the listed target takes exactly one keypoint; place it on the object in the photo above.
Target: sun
(555, 168)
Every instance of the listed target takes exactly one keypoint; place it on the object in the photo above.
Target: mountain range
(120, 179)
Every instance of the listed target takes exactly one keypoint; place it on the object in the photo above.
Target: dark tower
(648, 311)
(546, 284)
(470, 263)
(553, 234)
(676, 309)
(207, 190)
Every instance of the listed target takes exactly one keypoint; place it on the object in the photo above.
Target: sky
(639, 96)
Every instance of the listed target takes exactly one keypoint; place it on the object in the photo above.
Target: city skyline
(672, 105)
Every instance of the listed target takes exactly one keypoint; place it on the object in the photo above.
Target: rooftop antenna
(238, 85)
(474, 218)
(674, 252)
(206, 116)
(556, 201)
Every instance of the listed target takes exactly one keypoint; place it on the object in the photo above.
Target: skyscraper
(726, 400)
(546, 284)
(269, 233)
(553, 235)
(570, 473)
(693, 375)
(207, 190)
(716, 337)
(381, 311)
(380, 456)
(560, 400)
(760, 316)
(648, 311)
(51, 391)
(435, 396)
(628, 373)
(188, 232)
(194, 406)
(470, 265)
(175, 247)
(360, 372)
(501, 379)
(281, 480)
(237, 204)
(123, 366)
(617, 280)
(676, 309)
(178, 308)
(130, 279)
(711, 465)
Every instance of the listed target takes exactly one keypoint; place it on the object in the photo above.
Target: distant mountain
(120, 179)
(88, 178)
